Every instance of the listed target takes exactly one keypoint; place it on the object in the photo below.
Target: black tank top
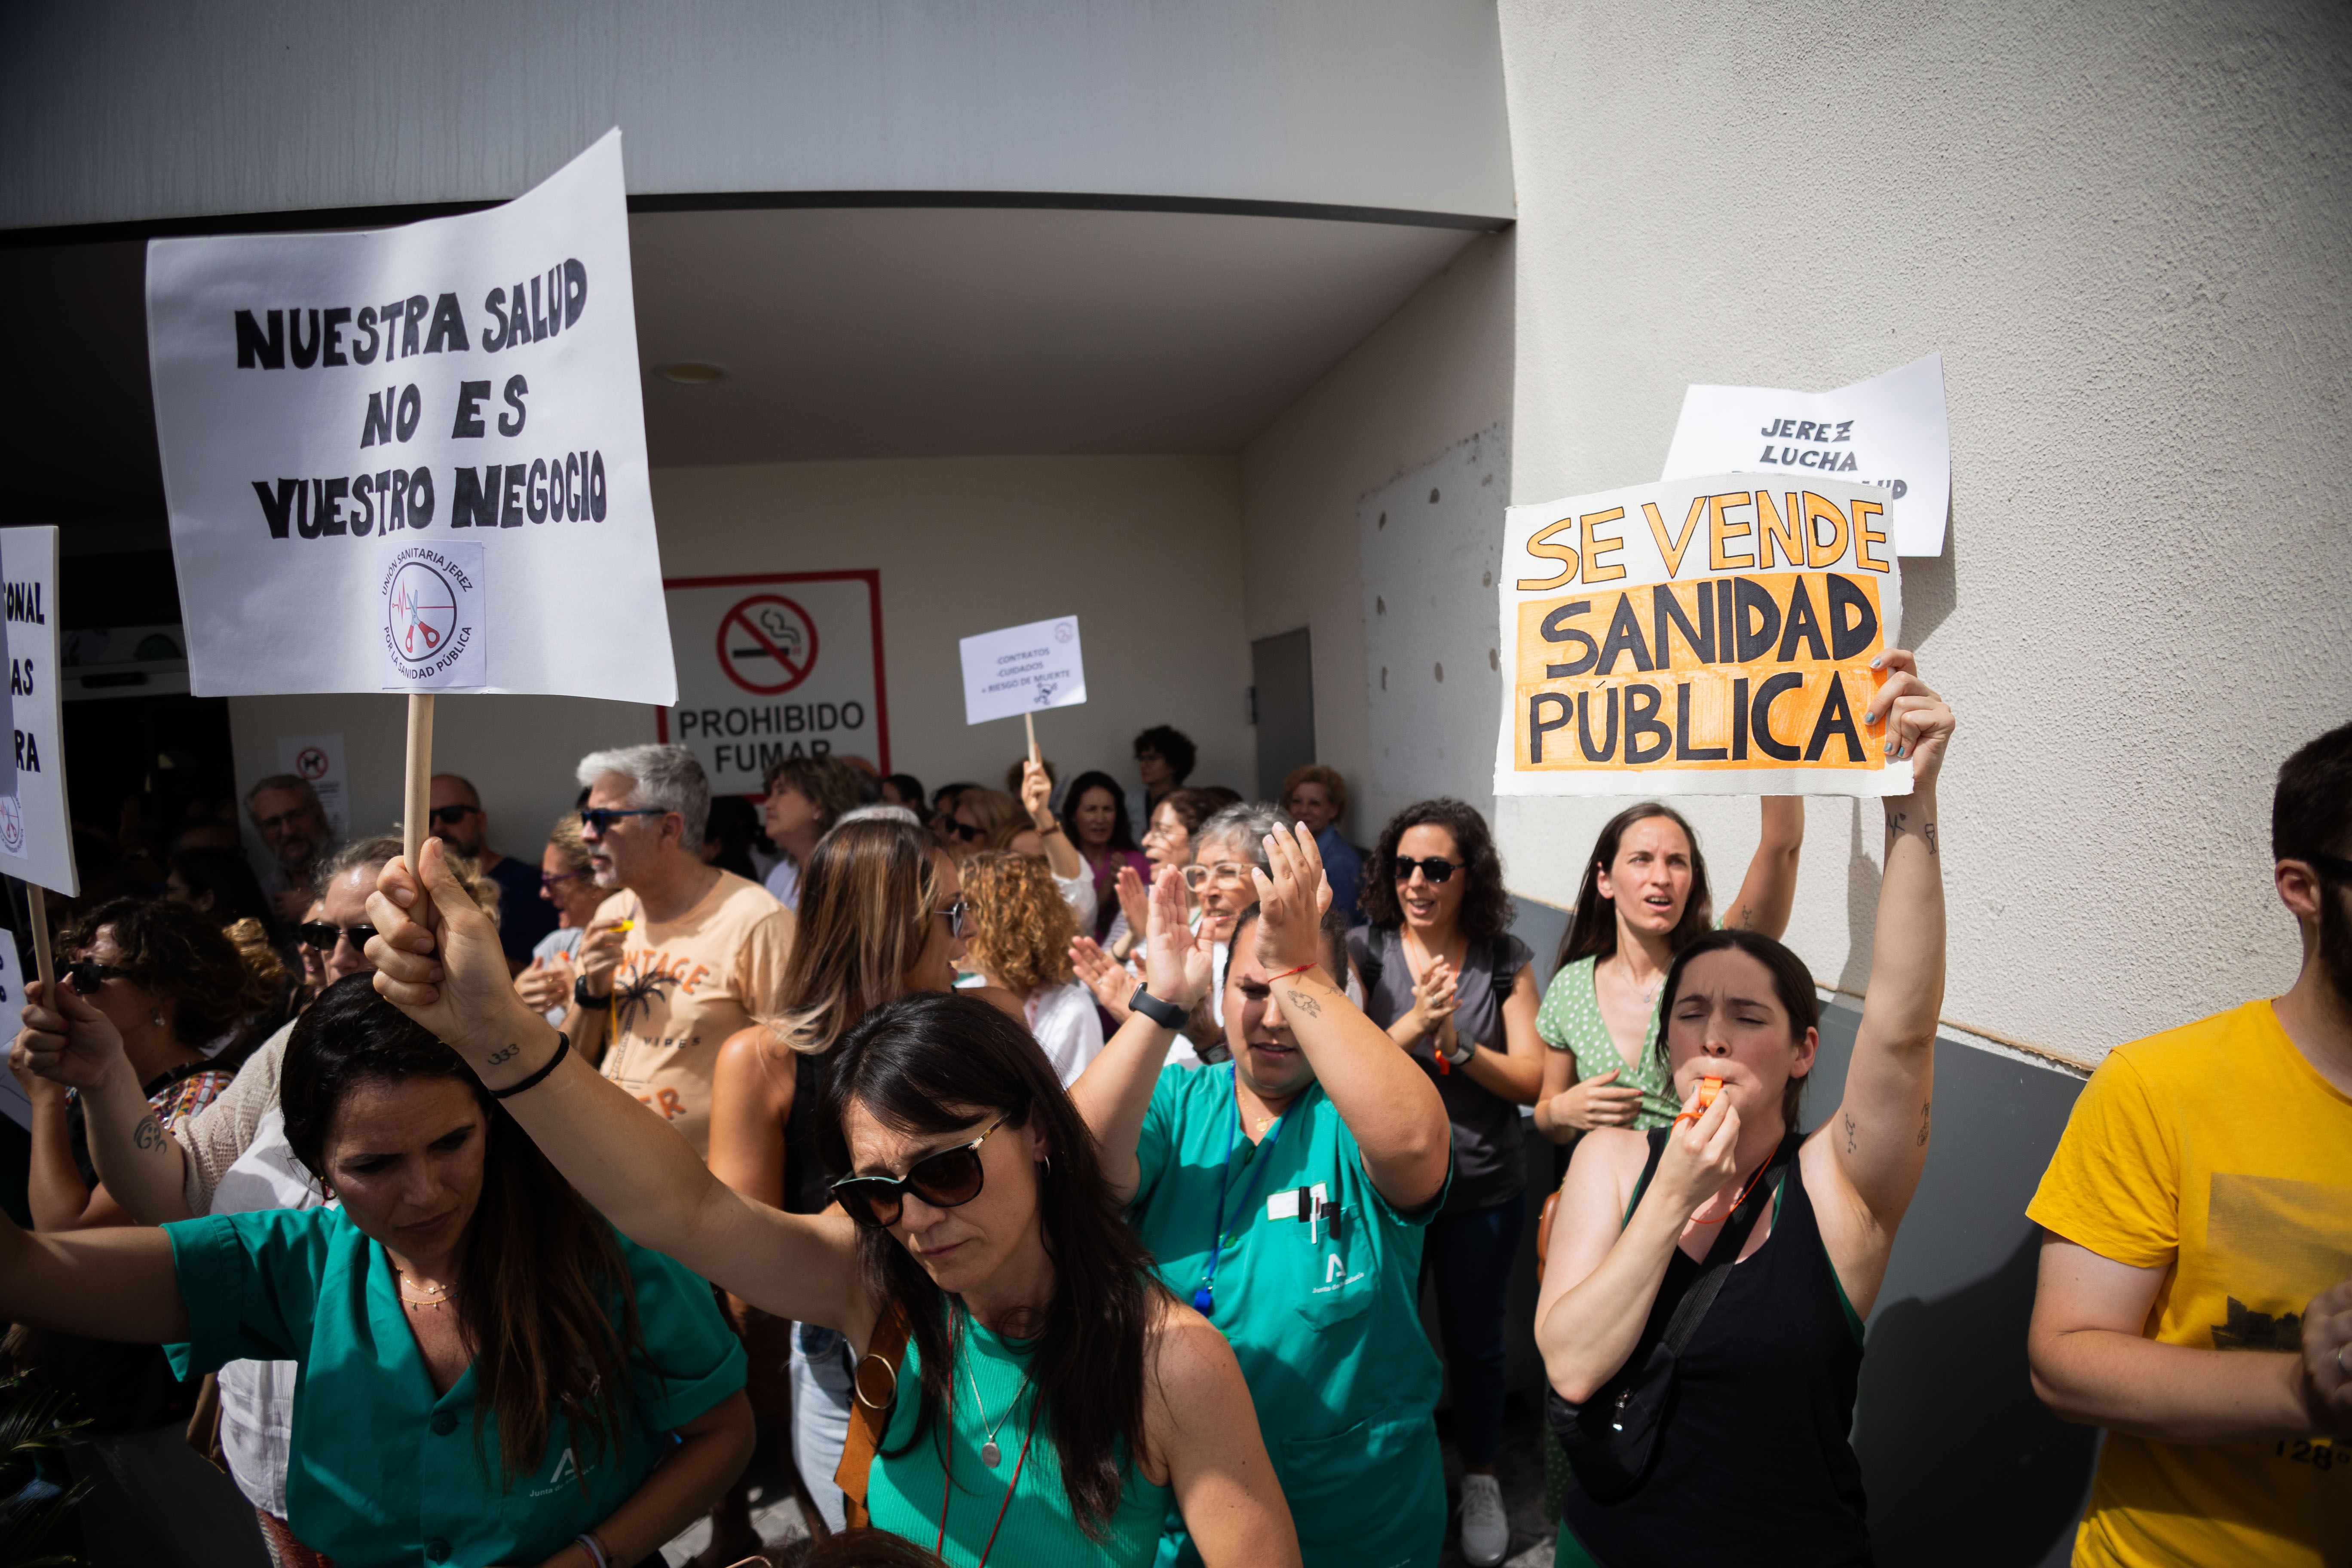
(807, 1189)
(1752, 1463)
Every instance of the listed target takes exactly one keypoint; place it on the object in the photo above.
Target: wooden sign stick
(1029, 724)
(416, 795)
(37, 905)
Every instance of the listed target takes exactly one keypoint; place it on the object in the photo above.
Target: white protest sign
(1698, 636)
(1022, 669)
(413, 459)
(320, 759)
(1891, 431)
(787, 664)
(36, 825)
(13, 1103)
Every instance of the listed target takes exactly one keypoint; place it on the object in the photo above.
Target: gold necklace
(428, 1296)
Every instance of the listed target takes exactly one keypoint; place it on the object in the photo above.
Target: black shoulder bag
(1610, 1438)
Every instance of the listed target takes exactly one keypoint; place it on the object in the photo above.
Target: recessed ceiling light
(693, 371)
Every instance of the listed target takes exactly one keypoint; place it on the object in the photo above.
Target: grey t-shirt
(1489, 1160)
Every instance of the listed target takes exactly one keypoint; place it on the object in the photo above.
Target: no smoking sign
(766, 644)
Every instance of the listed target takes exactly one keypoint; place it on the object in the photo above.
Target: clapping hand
(1106, 976)
(1434, 997)
(1292, 895)
(1177, 963)
(547, 983)
(1134, 901)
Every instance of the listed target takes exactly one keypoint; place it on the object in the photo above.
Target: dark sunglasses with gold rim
(949, 1179)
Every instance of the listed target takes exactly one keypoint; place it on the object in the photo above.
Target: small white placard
(13, 1103)
(1891, 431)
(36, 828)
(430, 599)
(320, 759)
(1022, 669)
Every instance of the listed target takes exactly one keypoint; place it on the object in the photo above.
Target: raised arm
(1771, 888)
(1037, 794)
(623, 1158)
(69, 1042)
(1115, 1090)
(1877, 1141)
(1389, 1105)
(110, 1284)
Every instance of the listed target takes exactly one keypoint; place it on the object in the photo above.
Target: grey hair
(880, 813)
(1248, 824)
(362, 853)
(666, 778)
(283, 780)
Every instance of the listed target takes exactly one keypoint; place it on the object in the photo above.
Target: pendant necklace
(947, 1476)
(426, 1295)
(989, 1454)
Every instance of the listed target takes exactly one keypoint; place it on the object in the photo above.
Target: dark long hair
(215, 980)
(1486, 911)
(1122, 831)
(928, 1064)
(1592, 929)
(1791, 982)
(541, 1276)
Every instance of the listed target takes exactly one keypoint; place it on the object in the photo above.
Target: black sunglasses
(958, 915)
(88, 975)
(324, 935)
(450, 816)
(966, 831)
(947, 1180)
(550, 879)
(1436, 867)
(599, 819)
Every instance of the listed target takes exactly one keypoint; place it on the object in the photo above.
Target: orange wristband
(1288, 973)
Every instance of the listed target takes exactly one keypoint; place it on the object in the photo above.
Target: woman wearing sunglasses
(1446, 978)
(882, 916)
(568, 881)
(1051, 1402)
(487, 1374)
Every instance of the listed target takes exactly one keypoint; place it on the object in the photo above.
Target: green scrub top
(906, 1486)
(1327, 1327)
(384, 1473)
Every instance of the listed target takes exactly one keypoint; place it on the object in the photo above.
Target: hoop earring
(1046, 1164)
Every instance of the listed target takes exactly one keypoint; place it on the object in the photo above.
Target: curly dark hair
(214, 979)
(1174, 746)
(1486, 907)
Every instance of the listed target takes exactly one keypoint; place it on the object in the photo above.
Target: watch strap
(1165, 1014)
(582, 996)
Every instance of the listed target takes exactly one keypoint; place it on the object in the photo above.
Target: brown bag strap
(874, 1388)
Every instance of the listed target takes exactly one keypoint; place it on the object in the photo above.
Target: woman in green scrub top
(1052, 1401)
(1284, 1193)
(488, 1375)
(1645, 898)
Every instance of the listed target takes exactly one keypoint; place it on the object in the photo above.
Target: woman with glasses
(488, 1374)
(882, 916)
(1047, 1402)
(568, 881)
(1446, 978)
(1168, 841)
(1021, 936)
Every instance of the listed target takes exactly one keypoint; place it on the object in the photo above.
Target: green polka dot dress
(1571, 1021)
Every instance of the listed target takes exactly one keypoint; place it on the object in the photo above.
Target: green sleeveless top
(1569, 1020)
(904, 1488)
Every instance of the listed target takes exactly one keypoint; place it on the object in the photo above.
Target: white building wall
(1145, 551)
(119, 110)
(1432, 378)
(2123, 226)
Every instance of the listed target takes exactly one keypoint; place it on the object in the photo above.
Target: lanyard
(1206, 1298)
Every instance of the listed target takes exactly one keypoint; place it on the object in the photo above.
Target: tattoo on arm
(1922, 1122)
(1849, 1134)
(503, 1054)
(1292, 997)
(1930, 831)
(147, 1134)
(1746, 920)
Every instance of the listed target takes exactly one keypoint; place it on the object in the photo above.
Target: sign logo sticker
(431, 621)
(766, 644)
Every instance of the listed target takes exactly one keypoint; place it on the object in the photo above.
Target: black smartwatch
(582, 996)
(1167, 1015)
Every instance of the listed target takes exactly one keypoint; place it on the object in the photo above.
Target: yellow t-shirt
(2215, 1150)
(684, 986)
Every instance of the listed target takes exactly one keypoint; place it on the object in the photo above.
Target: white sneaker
(1486, 1532)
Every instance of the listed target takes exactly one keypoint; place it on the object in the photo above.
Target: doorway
(1282, 706)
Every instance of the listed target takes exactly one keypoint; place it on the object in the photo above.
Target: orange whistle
(1708, 1087)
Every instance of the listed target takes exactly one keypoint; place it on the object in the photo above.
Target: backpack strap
(874, 1385)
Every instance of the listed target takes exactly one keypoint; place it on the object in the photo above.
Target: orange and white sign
(1698, 636)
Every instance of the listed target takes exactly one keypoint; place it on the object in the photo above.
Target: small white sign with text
(1022, 669)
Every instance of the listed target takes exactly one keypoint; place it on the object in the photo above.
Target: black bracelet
(1164, 1013)
(562, 1048)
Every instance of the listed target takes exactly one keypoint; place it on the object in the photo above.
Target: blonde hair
(1021, 927)
(565, 837)
(865, 914)
(996, 814)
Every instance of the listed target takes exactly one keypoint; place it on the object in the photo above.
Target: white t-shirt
(1063, 1020)
(256, 1397)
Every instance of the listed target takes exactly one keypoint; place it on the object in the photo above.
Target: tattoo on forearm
(1924, 1123)
(1849, 1134)
(1746, 920)
(1930, 831)
(1293, 997)
(147, 1134)
(502, 1055)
